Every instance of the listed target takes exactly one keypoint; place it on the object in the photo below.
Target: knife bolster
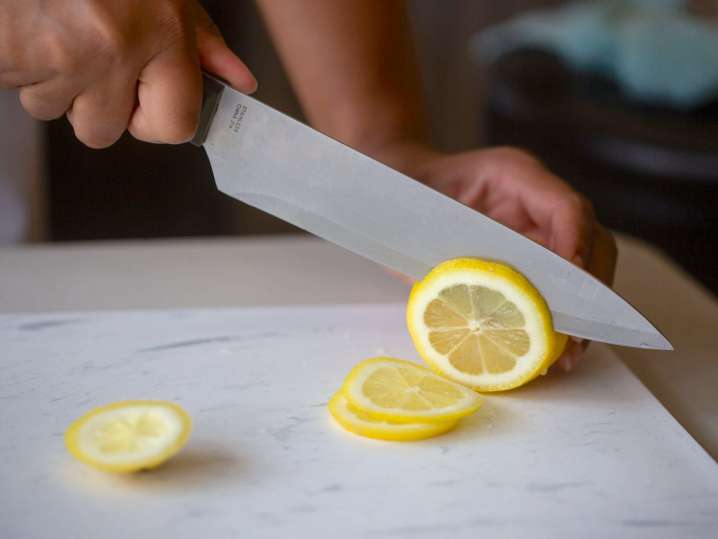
(212, 92)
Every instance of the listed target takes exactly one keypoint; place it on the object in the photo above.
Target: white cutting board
(588, 454)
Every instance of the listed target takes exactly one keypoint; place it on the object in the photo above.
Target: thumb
(218, 59)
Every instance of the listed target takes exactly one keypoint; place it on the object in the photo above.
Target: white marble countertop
(591, 454)
(171, 274)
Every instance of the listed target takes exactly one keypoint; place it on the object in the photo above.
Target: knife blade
(283, 167)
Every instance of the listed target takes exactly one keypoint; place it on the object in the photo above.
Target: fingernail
(577, 340)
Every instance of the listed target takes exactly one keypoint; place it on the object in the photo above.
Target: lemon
(482, 324)
(356, 421)
(129, 436)
(400, 391)
(559, 347)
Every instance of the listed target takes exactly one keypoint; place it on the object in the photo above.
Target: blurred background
(620, 98)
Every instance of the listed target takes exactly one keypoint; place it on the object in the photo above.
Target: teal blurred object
(653, 49)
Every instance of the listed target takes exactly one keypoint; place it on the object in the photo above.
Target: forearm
(351, 63)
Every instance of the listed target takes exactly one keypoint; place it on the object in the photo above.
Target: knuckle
(73, 57)
(179, 132)
(110, 42)
(175, 131)
(173, 21)
(581, 204)
(38, 113)
(575, 202)
(95, 138)
(102, 40)
(37, 107)
(107, 37)
(516, 155)
(96, 142)
(10, 79)
(588, 207)
(62, 57)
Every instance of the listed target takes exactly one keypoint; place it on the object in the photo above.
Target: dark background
(136, 190)
(651, 172)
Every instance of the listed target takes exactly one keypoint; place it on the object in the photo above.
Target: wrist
(379, 126)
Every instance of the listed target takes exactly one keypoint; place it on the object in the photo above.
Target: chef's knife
(277, 164)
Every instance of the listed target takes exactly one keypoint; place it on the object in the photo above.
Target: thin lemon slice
(482, 324)
(356, 421)
(129, 436)
(403, 392)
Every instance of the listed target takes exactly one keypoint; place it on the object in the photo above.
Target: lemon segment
(400, 391)
(482, 324)
(357, 422)
(129, 436)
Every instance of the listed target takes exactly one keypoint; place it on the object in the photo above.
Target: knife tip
(657, 342)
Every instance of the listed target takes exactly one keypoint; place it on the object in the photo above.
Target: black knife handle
(211, 94)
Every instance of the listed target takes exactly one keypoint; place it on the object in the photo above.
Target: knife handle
(211, 94)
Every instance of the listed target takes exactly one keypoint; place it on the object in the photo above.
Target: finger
(563, 217)
(10, 80)
(603, 255)
(49, 100)
(169, 98)
(536, 236)
(572, 355)
(23, 63)
(217, 59)
(571, 225)
(101, 113)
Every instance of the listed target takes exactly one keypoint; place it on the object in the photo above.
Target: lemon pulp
(401, 391)
(129, 436)
(482, 324)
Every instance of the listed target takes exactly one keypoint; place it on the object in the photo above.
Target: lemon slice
(356, 421)
(481, 324)
(403, 392)
(129, 436)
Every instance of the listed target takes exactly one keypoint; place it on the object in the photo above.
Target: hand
(113, 65)
(514, 188)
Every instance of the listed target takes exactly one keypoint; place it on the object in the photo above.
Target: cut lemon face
(403, 392)
(482, 324)
(356, 421)
(129, 436)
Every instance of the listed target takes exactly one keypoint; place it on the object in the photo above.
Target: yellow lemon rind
(383, 430)
(561, 342)
(470, 403)
(500, 273)
(73, 446)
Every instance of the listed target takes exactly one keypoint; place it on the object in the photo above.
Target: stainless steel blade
(268, 160)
